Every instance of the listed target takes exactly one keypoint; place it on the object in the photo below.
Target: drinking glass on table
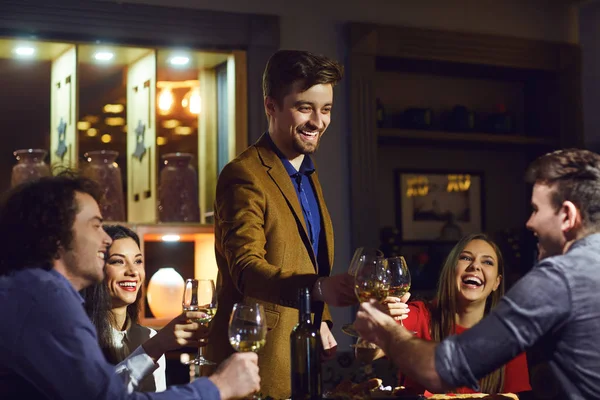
(200, 295)
(248, 329)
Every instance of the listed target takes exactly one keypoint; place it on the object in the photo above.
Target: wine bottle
(305, 343)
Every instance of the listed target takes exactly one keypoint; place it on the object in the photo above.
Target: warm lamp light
(165, 293)
(192, 101)
(165, 100)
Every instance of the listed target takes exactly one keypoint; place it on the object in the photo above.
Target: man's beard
(303, 148)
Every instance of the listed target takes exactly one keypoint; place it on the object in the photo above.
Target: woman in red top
(469, 286)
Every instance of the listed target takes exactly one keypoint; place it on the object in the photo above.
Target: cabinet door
(63, 109)
(141, 139)
(222, 124)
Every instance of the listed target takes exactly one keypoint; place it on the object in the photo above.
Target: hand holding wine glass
(200, 296)
(248, 329)
(399, 286)
(362, 255)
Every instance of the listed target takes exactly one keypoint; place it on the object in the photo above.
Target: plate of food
(370, 389)
(449, 396)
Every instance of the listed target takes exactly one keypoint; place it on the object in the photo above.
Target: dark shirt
(49, 348)
(553, 312)
(306, 195)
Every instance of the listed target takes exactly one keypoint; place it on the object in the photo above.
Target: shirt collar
(591, 240)
(307, 167)
(67, 284)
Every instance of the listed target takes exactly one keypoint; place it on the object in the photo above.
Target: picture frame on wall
(438, 206)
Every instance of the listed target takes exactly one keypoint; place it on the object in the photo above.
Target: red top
(516, 375)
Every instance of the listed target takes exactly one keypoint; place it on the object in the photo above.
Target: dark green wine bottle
(305, 343)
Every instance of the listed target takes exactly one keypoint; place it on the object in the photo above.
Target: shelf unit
(469, 137)
(540, 79)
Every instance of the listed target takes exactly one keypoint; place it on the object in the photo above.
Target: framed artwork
(438, 206)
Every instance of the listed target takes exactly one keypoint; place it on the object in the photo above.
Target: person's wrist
(386, 333)
(317, 294)
(221, 386)
(152, 348)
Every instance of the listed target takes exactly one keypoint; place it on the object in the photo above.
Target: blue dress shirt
(306, 195)
(49, 348)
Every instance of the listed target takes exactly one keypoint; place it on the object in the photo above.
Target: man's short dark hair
(37, 217)
(575, 176)
(286, 67)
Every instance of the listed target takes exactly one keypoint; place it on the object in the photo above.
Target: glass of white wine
(200, 295)
(399, 277)
(362, 256)
(372, 280)
(247, 327)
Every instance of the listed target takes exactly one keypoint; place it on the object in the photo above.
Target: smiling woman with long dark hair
(113, 306)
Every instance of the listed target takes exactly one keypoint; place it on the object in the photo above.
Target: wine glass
(399, 277)
(372, 280)
(359, 257)
(200, 295)
(248, 329)
(362, 256)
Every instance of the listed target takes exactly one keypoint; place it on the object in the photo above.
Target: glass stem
(201, 349)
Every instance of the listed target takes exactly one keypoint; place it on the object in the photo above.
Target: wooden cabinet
(228, 52)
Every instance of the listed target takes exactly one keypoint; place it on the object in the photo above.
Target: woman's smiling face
(477, 271)
(124, 271)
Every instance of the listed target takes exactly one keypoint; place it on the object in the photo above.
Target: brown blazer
(264, 255)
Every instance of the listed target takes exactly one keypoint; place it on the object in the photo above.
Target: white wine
(305, 343)
(375, 290)
(399, 291)
(247, 345)
(209, 313)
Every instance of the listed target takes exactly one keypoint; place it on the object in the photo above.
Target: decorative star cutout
(140, 149)
(61, 150)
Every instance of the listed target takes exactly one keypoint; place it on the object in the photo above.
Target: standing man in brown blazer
(273, 233)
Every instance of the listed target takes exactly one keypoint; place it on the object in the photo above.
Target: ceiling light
(170, 238)
(104, 56)
(179, 60)
(24, 51)
(106, 138)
